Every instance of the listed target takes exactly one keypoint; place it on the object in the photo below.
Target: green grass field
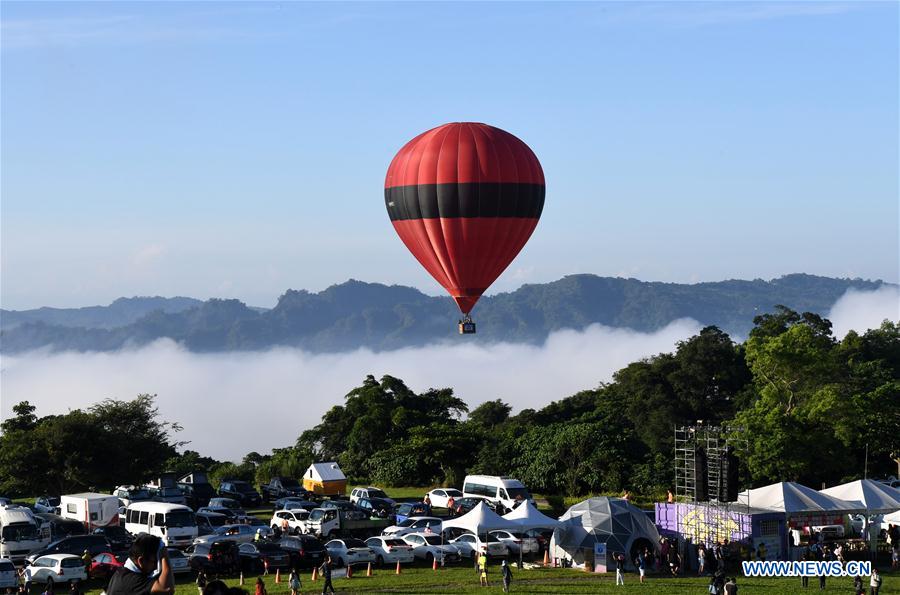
(551, 580)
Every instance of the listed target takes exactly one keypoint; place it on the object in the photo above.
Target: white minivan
(506, 491)
(173, 523)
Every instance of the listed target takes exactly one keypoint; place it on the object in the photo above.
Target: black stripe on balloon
(476, 199)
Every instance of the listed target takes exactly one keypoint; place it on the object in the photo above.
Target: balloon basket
(466, 326)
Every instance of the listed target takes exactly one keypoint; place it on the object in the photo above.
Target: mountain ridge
(358, 314)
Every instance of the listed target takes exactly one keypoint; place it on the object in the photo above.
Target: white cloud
(863, 310)
(234, 403)
(148, 254)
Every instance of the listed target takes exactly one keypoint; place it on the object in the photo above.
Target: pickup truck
(335, 522)
(281, 487)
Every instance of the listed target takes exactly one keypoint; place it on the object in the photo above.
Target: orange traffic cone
(434, 564)
(241, 583)
(398, 567)
(315, 573)
(277, 575)
(369, 570)
(547, 558)
(349, 571)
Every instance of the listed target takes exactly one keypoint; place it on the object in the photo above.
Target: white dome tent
(624, 528)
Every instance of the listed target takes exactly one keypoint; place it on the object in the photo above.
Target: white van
(93, 510)
(173, 523)
(19, 532)
(504, 490)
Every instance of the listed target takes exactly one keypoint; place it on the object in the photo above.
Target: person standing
(731, 587)
(874, 582)
(482, 570)
(506, 575)
(805, 557)
(451, 503)
(86, 560)
(202, 580)
(26, 579)
(858, 588)
(294, 583)
(641, 563)
(620, 567)
(701, 560)
(325, 571)
(761, 552)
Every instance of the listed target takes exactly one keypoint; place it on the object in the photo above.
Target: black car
(94, 544)
(118, 538)
(59, 526)
(306, 551)
(230, 515)
(197, 495)
(218, 557)
(241, 491)
(293, 503)
(344, 505)
(376, 507)
(257, 556)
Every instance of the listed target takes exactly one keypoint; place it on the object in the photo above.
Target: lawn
(550, 580)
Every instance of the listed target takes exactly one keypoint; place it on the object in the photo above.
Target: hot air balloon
(464, 198)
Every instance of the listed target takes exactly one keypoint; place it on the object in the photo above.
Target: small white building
(326, 479)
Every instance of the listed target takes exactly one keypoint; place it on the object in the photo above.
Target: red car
(103, 565)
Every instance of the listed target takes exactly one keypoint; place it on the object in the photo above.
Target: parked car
(241, 491)
(377, 507)
(414, 524)
(47, 504)
(470, 546)
(177, 560)
(228, 513)
(256, 557)
(281, 487)
(9, 577)
(439, 496)
(57, 526)
(236, 533)
(293, 503)
(196, 495)
(220, 557)
(543, 537)
(130, 494)
(430, 547)
(104, 565)
(260, 526)
(94, 544)
(349, 551)
(169, 495)
(306, 551)
(369, 492)
(339, 504)
(289, 522)
(58, 568)
(207, 522)
(516, 541)
(409, 509)
(118, 537)
(390, 550)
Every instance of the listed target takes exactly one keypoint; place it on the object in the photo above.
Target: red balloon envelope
(464, 198)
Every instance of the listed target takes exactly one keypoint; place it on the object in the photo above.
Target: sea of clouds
(232, 403)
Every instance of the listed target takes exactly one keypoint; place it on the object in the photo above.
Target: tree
(490, 414)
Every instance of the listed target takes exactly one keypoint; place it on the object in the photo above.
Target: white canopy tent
(792, 498)
(526, 516)
(873, 497)
(480, 520)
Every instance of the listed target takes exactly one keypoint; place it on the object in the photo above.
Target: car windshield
(377, 494)
(518, 493)
(432, 539)
(24, 532)
(290, 483)
(180, 518)
(404, 508)
(53, 501)
(71, 562)
(316, 515)
(454, 493)
(243, 487)
(354, 543)
(138, 495)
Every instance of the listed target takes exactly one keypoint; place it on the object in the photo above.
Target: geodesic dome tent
(614, 521)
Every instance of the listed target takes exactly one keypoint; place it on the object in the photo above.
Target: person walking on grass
(325, 571)
(874, 582)
(506, 575)
(482, 570)
(620, 567)
(294, 583)
(641, 563)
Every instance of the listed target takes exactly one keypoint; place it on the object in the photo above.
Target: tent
(480, 520)
(325, 479)
(792, 498)
(526, 516)
(871, 496)
(623, 527)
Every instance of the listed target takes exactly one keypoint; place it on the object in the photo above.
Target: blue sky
(237, 150)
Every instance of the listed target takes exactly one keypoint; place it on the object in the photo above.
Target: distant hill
(356, 314)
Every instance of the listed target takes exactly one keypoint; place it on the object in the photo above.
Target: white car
(238, 533)
(390, 550)
(177, 560)
(440, 496)
(518, 541)
(414, 524)
(430, 547)
(369, 492)
(58, 568)
(47, 504)
(291, 522)
(349, 551)
(9, 578)
(470, 546)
